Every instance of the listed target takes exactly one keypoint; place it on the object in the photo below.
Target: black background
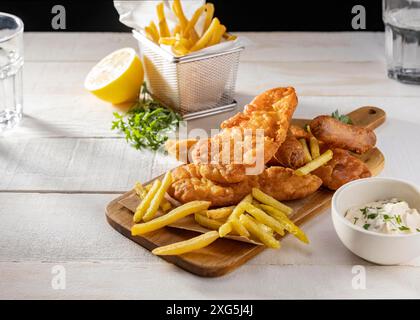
(237, 15)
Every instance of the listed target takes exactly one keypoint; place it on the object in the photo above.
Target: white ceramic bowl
(386, 249)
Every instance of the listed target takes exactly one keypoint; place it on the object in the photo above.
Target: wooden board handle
(368, 117)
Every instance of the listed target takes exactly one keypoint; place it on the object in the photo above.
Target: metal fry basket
(195, 86)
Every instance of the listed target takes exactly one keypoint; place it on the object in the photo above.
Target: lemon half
(117, 78)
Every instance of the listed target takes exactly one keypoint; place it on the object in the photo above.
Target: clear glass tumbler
(402, 43)
(11, 63)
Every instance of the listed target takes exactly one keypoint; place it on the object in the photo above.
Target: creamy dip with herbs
(392, 216)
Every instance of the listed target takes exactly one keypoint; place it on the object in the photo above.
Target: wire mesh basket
(194, 86)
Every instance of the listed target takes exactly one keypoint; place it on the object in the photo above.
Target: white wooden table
(63, 164)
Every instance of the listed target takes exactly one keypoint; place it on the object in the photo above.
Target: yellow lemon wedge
(117, 78)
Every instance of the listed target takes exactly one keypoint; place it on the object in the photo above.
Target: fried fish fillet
(180, 149)
(278, 182)
(270, 112)
(341, 169)
(238, 152)
(340, 135)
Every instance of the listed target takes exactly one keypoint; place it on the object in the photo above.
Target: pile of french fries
(258, 216)
(313, 158)
(184, 37)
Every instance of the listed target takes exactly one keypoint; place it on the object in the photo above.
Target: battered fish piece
(180, 149)
(239, 153)
(278, 182)
(282, 184)
(341, 169)
(271, 111)
(190, 185)
(290, 154)
(340, 135)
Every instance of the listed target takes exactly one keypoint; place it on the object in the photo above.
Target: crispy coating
(227, 166)
(340, 135)
(190, 185)
(278, 182)
(271, 111)
(341, 169)
(290, 154)
(282, 184)
(180, 149)
(298, 132)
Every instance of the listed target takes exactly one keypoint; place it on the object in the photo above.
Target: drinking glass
(11, 62)
(402, 39)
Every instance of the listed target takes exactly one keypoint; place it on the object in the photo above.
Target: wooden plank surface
(137, 280)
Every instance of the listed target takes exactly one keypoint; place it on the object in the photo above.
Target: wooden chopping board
(226, 255)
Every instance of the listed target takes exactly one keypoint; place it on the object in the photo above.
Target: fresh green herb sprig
(147, 124)
(341, 117)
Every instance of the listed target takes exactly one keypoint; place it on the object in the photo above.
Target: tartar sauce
(386, 216)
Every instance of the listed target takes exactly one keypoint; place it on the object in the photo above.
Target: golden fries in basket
(184, 38)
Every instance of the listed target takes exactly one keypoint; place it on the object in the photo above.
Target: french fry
(206, 37)
(159, 196)
(315, 164)
(217, 35)
(229, 37)
(266, 199)
(314, 145)
(176, 30)
(191, 24)
(169, 41)
(172, 216)
(177, 9)
(145, 203)
(264, 218)
(165, 205)
(239, 227)
(189, 245)
(150, 33)
(288, 225)
(225, 229)
(227, 226)
(265, 227)
(209, 16)
(193, 36)
(308, 156)
(207, 222)
(154, 29)
(163, 25)
(258, 232)
(140, 190)
(218, 214)
(179, 49)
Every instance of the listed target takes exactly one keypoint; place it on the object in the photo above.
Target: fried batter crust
(271, 111)
(341, 169)
(278, 182)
